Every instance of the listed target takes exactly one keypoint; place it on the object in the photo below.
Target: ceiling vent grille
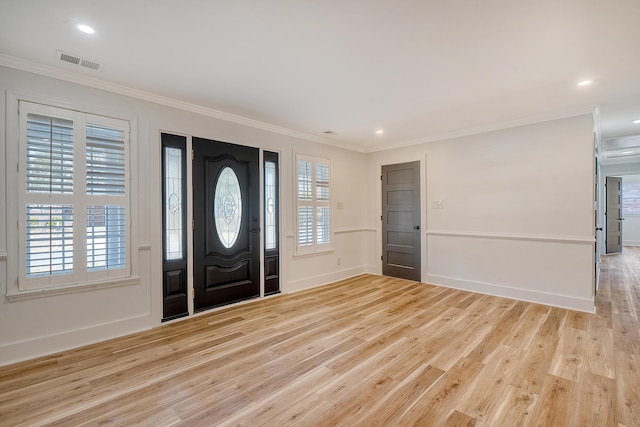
(329, 132)
(77, 60)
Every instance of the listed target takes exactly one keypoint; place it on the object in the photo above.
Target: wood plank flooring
(368, 351)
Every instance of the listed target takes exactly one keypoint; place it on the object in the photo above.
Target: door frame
(424, 264)
(189, 175)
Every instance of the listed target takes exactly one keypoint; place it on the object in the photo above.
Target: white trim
(343, 231)
(144, 246)
(624, 243)
(46, 345)
(84, 80)
(354, 230)
(324, 279)
(509, 236)
(72, 289)
(555, 300)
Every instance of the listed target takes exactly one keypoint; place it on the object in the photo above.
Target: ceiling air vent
(77, 60)
(69, 58)
(329, 132)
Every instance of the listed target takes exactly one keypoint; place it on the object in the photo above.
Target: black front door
(226, 230)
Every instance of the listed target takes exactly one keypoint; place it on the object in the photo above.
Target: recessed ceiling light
(86, 29)
(636, 122)
(585, 83)
(379, 132)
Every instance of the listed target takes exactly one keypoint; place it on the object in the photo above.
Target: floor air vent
(77, 60)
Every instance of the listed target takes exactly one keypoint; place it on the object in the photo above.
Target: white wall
(518, 211)
(42, 325)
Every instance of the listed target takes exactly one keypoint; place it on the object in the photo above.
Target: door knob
(416, 227)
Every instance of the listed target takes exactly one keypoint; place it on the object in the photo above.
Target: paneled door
(401, 220)
(226, 229)
(614, 214)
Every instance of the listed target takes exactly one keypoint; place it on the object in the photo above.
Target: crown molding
(492, 127)
(96, 83)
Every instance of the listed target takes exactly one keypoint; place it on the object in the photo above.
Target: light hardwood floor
(369, 351)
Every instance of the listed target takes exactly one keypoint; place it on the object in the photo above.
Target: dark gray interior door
(401, 220)
(614, 214)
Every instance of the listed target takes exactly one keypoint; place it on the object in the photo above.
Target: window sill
(71, 289)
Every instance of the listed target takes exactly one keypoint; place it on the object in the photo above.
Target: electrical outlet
(437, 204)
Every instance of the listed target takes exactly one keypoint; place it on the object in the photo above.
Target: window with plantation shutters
(313, 225)
(74, 197)
(105, 160)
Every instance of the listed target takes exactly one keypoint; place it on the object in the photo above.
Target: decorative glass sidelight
(270, 201)
(227, 204)
(173, 203)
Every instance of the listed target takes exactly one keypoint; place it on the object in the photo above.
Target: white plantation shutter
(49, 239)
(312, 204)
(105, 160)
(106, 237)
(106, 230)
(74, 197)
(49, 154)
(305, 203)
(322, 204)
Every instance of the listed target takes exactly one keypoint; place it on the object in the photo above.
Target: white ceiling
(419, 69)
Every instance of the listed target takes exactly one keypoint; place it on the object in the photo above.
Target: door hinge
(193, 155)
(193, 293)
(193, 224)
(380, 177)
(381, 258)
(380, 217)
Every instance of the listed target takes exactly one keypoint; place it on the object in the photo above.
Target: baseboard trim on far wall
(323, 279)
(509, 236)
(555, 300)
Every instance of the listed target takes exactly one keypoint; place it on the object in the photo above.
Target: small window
(228, 207)
(313, 216)
(630, 198)
(74, 197)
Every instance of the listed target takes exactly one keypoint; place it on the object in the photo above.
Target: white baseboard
(42, 346)
(555, 300)
(630, 243)
(324, 279)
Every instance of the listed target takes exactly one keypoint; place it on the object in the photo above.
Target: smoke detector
(78, 60)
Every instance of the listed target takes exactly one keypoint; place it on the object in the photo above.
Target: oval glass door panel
(227, 207)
